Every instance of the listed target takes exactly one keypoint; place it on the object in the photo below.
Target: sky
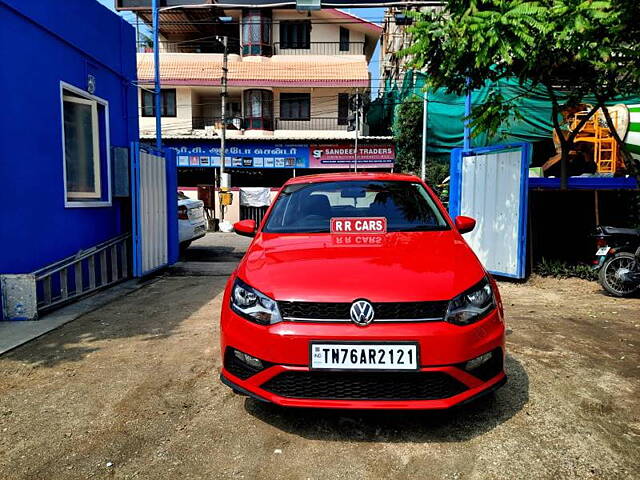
(372, 14)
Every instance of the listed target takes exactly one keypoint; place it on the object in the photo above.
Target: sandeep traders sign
(336, 156)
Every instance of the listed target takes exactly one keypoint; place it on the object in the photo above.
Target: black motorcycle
(618, 259)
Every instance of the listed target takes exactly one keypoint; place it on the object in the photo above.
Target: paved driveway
(131, 391)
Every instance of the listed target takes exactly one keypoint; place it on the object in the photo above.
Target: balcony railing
(279, 48)
(237, 123)
(319, 48)
(200, 123)
(190, 46)
(313, 123)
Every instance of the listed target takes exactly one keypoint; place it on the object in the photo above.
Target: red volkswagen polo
(358, 291)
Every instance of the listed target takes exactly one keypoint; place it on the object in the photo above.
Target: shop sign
(245, 156)
(336, 156)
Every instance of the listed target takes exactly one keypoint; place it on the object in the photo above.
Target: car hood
(402, 266)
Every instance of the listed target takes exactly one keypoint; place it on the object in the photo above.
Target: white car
(192, 223)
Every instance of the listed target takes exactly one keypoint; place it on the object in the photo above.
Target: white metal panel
(490, 193)
(153, 211)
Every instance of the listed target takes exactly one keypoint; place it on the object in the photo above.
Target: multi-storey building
(293, 79)
(395, 38)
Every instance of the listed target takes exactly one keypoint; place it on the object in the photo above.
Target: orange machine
(604, 149)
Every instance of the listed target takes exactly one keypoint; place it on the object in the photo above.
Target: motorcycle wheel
(611, 275)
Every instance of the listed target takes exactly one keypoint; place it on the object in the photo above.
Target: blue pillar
(467, 121)
(173, 242)
(156, 66)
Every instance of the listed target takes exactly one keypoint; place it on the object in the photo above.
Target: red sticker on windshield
(359, 225)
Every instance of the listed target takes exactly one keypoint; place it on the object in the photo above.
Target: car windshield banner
(359, 225)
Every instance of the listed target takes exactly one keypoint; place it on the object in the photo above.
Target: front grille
(383, 311)
(365, 385)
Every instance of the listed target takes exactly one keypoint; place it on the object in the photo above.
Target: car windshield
(308, 208)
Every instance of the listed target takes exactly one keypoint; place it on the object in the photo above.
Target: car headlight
(472, 305)
(253, 305)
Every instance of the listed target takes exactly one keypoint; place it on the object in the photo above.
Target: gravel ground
(131, 391)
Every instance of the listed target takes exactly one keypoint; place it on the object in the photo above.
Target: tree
(407, 131)
(575, 49)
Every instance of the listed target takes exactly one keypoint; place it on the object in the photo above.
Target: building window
(295, 106)
(86, 148)
(295, 34)
(343, 108)
(167, 103)
(256, 32)
(258, 109)
(344, 39)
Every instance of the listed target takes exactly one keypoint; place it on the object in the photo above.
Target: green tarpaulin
(446, 112)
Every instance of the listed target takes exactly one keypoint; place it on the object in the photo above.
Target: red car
(358, 291)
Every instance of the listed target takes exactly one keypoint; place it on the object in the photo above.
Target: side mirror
(465, 224)
(246, 228)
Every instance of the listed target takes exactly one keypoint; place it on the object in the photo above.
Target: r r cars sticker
(360, 225)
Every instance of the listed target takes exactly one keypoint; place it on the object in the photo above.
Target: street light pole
(355, 150)
(156, 66)
(423, 165)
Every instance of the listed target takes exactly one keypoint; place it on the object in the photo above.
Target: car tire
(185, 245)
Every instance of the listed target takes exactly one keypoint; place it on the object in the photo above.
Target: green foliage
(574, 48)
(407, 130)
(560, 269)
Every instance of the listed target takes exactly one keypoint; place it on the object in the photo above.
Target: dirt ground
(131, 391)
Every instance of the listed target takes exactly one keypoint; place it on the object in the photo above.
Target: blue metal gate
(154, 209)
(490, 184)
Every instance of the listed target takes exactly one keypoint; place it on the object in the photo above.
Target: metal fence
(253, 213)
(83, 273)
(190, 46)
(319, 48)
(312, 123)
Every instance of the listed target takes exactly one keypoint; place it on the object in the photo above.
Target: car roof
(346, 176)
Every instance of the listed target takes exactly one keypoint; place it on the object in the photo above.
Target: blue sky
(372, 14)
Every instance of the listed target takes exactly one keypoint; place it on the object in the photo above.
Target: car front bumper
(286, 379)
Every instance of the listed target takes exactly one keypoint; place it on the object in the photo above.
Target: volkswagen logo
(361, 313)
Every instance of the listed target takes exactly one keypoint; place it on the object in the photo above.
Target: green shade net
(445, 113)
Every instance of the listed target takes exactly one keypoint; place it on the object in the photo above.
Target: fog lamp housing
(485, 366)
(252, 362)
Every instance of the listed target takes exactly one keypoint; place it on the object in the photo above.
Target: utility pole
(423, 165)
(225, 194)
(355, 150)
(156, 65)
(224, 183)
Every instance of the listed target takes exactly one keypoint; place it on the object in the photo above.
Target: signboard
(245, 156)
(259, 155)
(336, 156)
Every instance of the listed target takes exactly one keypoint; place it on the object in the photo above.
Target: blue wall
(45, 42)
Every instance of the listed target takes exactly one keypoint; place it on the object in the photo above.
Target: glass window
(295, 106)
(308, 208)
(344, 39)
(81, 148)
(258, 109)
(256, 32)
(343, 108)
(167, 103)
(295, 34)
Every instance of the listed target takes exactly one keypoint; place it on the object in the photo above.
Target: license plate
(364, 356)
(602, 251)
